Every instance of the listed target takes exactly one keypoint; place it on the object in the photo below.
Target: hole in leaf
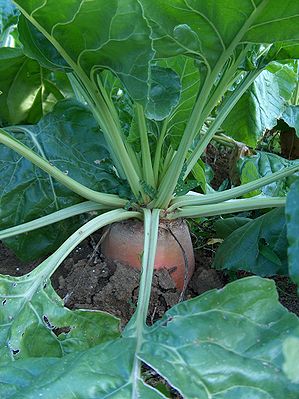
(45, 285)
(4, 302)
(14, 284)
(168, 320)
(47, 322)
(61, 330)
(153, 379)
(15, 351)
(262, 241)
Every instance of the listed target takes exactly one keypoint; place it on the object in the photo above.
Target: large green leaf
(205, 30)
(260, 246)
(263, 164)
(225, 344)
(34, 322)
(101, 372)
(208, 29)
(161, 90)
(261, 106)
(28, 91)
(90, 36)
(216, 34)
(292, 215)
(70, 139)
(291, 117)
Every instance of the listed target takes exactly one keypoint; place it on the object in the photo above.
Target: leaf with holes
(225, 344)
(100, 372)
(196, 347)
(34, 322)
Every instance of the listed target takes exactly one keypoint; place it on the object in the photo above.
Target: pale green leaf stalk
(84, 207)
(230, 206)
(151, 225)
(105, 199)
(145, 148)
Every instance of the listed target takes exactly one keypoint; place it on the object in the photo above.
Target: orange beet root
(124, 243)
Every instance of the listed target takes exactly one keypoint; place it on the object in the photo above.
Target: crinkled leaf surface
(263, 164)
(121, 40)
(225, 344)
(292, 215)
(27, 91)
(164, 95)
(104, 371)
(291, 355)
(291, 117)
(70, 139)
(261, 105)
(121, 44)
(260, 246)
(189, 74)
(162, 86)
(211, 31)
(207, 29)
(34, 322)
(90, 36)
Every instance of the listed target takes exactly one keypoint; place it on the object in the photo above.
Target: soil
(86, 281)
(289, 142)
(220, 162)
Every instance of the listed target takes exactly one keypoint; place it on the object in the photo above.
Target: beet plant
(106, 110)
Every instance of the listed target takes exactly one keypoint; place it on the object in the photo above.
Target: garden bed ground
(86, 280)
